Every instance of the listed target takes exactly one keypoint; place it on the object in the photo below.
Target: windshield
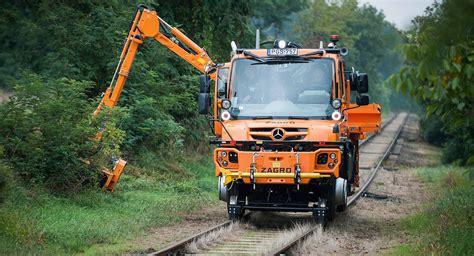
(283, 89)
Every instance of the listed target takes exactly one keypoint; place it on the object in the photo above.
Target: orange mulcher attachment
(147, 24)
(110, 178)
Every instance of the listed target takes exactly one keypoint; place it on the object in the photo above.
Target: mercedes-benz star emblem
(278, 134)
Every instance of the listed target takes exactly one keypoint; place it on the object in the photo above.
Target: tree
(372, 41)
(439, 71)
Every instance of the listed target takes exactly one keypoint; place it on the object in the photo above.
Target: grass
(444, 226)
(94, 222)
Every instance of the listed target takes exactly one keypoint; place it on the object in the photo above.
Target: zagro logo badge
(278, 134)
(277, 170)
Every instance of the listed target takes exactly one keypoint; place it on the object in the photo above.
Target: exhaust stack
(257, 39)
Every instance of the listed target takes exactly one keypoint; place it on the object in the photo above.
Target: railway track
(255, 235)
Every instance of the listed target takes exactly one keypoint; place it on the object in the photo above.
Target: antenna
(257, 39)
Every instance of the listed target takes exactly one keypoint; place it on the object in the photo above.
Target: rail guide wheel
(235, 204)
(326, 210)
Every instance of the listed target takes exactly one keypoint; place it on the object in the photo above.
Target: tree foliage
(439, 71)
(372, 41)
(46, 131)
(273, 16)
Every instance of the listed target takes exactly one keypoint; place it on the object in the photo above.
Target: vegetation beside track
(33, 220)
(445, 225)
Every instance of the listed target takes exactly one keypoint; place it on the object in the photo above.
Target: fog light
(225, 163)
(223, 154)
(225, 115)
(332, 156)
(331, 165)
(336, 116)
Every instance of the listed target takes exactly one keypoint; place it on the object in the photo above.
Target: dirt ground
(368, 227)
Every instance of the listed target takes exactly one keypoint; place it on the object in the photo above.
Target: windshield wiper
(299, 117)
(280, 61)
(262, 117)
(253, 56)
(312, 53)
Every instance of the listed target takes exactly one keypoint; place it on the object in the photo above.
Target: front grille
(271, 133)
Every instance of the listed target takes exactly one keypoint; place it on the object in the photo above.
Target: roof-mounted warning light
(280, 44)
(334, 38)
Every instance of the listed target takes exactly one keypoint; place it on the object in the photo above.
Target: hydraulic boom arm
(147, 24)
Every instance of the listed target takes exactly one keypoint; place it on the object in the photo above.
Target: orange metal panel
(364, 118)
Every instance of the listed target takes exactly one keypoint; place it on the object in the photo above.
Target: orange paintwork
(364, 119)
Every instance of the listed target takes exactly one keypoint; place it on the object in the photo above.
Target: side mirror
(205, 84)
(362, 100)
(204, 100)
(204, 103)
(362, 83)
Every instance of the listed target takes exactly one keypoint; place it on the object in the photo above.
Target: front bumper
(262, 167)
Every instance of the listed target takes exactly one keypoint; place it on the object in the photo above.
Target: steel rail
(284, 249)
(376, 168)
(373, 135)
(179, 247)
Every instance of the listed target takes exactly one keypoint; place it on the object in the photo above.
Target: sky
(400, 12)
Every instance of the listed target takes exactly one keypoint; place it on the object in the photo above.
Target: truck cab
(286, 129)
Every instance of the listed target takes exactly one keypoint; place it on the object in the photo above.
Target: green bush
(45, 132)
(432, 130)
(460, 146)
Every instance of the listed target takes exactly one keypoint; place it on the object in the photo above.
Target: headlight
(331, 165)
(223, 154)
(225, 163)
(336, 103)
(332, 156)
(225, 104)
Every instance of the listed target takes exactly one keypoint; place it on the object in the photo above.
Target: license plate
(282, 52)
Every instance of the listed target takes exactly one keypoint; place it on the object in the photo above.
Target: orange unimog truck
(286, 128)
